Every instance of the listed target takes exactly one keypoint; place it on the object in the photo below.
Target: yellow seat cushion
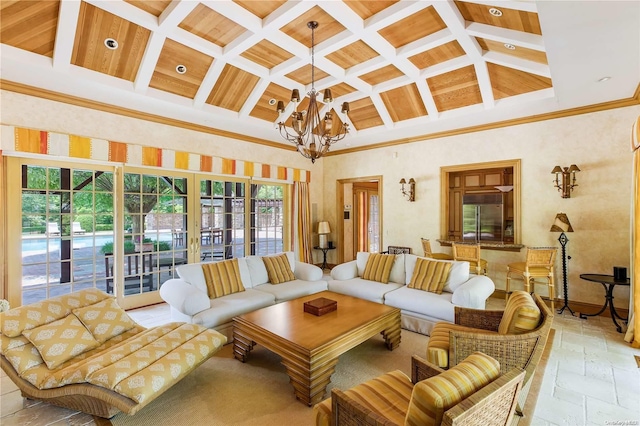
(439, 342)
(278, 269)
(378, 267)
(521, 314)
(432, 397)
(387, 395)
(430, 275)
(104, 319)
(222, 278)
(521, 266)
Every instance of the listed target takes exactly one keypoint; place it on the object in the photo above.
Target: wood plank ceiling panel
(364, 114)
(413, 27)
(352, 54)
(404, 102)
(264, 109)
(455, 89)
(262, 8)
(517, 20)
(367, 8)
(381, 75)
(166, 78)
(29, 25)
(232, 88)
(437, 55)
(519, 52)
(510, 82)
(303, 75)
(267, 54)
(210, 25)
(327, 27)
(154, 7)
(89, 49)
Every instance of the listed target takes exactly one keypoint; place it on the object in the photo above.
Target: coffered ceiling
(409, 69)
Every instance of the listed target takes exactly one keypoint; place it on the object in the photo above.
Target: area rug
(225, 391)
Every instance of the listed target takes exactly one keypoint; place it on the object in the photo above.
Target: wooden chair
(538, 264)
(426, 247)
(491, 405)
(470, 253)
(397, 250)
(477, 330)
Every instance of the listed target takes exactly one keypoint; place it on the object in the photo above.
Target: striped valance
(63, 145)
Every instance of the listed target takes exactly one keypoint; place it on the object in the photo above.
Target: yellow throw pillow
(378, 267)
(430, 275)
(432, 397)
(61, 340)
(222, 278)
(104, 319)
(278, 269)
(521, 314)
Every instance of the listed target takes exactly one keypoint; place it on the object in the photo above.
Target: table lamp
(562, 224)
(323, 230)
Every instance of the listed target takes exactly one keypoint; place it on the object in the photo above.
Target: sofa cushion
(422, 302)
(458, 275)
(278, 269)
(429, 275)
(104, 319)
(61, 340)
(192, 273)
(379, 267)
(222, 278)
(258, 271)
(432, 397)
(293, 289)
(364, 289)
(223, 309)
(521, 314)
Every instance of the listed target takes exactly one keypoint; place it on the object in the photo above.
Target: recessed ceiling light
(509, 46)
(181, 69)
(111, 43)
(603, 79)
(272, 101)
(495, 12)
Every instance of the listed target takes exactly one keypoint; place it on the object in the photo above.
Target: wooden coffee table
(310, 345)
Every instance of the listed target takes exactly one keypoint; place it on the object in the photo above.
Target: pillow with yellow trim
(278, 269)
(521, 314)
(378, 267)
(104, 319)
(222, 278)
(430, 275)
(61, 340)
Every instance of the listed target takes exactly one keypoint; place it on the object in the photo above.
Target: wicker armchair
(476, 330)
(494, 404)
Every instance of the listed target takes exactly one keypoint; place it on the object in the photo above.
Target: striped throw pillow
(430, 275)
(378, 267)
(432, 397)
(278, 269)
(222, 278)
(521, 314)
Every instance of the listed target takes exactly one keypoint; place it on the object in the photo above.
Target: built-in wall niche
(465, 191)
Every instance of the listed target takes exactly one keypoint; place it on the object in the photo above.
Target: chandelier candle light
(311, 135)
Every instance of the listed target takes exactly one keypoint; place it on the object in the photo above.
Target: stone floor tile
(11, 403)
(620, 360)
(575, 398)
(587, 386)
(600, 371)
(7, 385)
(584, 340)
(600, 412)
(559, 412)
(627, 384)
(39, 414)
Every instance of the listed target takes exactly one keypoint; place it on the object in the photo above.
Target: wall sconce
(411, 191)
(568, 179)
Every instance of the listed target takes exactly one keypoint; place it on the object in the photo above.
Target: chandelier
(311, 135)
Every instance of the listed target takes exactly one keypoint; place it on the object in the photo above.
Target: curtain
(301, 222)
(634, 302)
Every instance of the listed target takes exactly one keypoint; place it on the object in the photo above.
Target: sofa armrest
(422, 369)
(307, 272)
(345, 271)
(184, 297)
(478, 318)
(474, 293)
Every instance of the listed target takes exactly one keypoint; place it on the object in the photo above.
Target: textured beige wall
(599, 208)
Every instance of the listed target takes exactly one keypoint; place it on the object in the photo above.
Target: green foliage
(130, 246)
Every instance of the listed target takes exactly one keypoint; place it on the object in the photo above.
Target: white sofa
(420, 309)
(190, 303)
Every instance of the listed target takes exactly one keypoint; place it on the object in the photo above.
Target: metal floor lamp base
(563, 242)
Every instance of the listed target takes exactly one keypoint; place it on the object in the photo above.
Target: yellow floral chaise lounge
(83, 352)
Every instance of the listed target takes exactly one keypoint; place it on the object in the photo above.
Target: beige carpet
(224, 391)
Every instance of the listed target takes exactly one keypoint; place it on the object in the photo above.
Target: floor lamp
(561, 224)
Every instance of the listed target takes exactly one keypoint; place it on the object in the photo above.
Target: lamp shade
(323, 228)
(561, 224)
